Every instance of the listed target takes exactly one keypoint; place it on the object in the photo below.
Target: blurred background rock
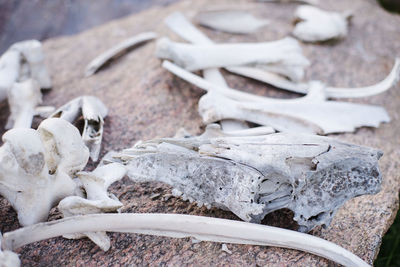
(42, 19)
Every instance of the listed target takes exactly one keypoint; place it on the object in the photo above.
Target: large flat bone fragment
(117, 51)
(231, 21)
(309, 114)
(255, 175)
(283, 56)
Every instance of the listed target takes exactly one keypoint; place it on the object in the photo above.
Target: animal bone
(283, 56)
(181, 26)
(331, 92)
(23, 99)
(182, 226)
(93, 112)
(317, 25)
(255, 175)
(8, 258)
(23, 61)
(36, 167)
(290, 115)
(98, 200)
(117, 51)
(231, 21)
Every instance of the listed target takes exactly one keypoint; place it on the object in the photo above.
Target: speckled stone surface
(146, 101)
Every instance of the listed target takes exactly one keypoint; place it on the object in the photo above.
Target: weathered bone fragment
(255, 175)
(8, 258)
(95, 185)
(23, 61)
(117, 51)
(317, 25)
(231, 21)
(181, 26)
(36, 167)
(183, 226)
(309, 114)
(93, 112)
(23, 100)
(283, 56)
(331, 92)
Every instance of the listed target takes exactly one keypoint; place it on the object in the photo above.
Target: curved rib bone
(117, 51)
(231, 21)
(181, 226)
(331, 92)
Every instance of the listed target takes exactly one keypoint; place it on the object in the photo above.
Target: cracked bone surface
(117, 51)
(98, 200)
(309, 114)
(23, 61)
(282, 56)
(36, 167)
(93, 112)
(317, 25)
(231, 21)
(255, 175)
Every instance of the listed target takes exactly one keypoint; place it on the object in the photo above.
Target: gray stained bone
(253, 176)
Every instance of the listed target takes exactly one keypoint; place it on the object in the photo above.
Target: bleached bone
(181, 26)
(310, 2)
(331, 92)
(283, 56)
(317, 25)
(35, 167)
(309, 114)
(22, 61)
(117, 51)
(23, 100)
(182, 226)
(93, 112)
(8, 258)
(98, 200)
(32, 63)
(255, 175)
(231, 21)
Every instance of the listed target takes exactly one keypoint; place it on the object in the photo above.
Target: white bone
(331, 92)
(182, 226)
(312, 113)
(283, 55)
(231, 21)
(317, 25)
(117, 51)
(36, 166)
(8, 258)
(98, 200)
(93, 112)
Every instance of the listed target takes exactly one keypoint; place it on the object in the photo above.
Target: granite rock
(146, 102)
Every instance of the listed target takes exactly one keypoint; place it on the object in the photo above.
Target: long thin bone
(285, 115)
(181, 226)
(331, 92)
(117, 51)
